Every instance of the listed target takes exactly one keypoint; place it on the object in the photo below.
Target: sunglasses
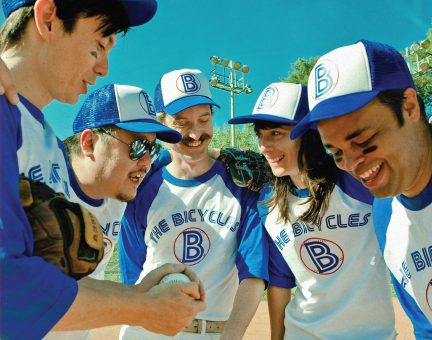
(137, 149)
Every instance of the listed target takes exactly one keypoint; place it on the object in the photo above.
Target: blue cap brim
(187, 102)
(262, 117)
(332, 108)
(140, 11)
(162, 132)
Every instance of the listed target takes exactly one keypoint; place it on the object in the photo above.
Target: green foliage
(300, 70)
(423, 84)
(423, 79)
(245, 137)
(112, 271)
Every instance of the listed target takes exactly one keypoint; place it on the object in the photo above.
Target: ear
(411, 106)
(45, 17)
(87, 143)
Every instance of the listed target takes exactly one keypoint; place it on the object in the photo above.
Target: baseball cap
(282, 103)
(127, 107)
(139, 11)
(349, 77)
(181, 89)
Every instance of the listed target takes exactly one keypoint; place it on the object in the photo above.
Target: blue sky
(266, 35)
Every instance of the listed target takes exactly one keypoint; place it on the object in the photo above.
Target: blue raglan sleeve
(34, 294)
(252, 253)
(132, 250)
(280, 274)
(382, 212)
(279, 271)
(422, 326)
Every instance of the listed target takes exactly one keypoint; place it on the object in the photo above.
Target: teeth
(137, 177)
(194, 143)
(277, 159)
(366, 174)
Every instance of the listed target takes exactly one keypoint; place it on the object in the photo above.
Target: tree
(300, 70)
(245, 137)
(423, 78)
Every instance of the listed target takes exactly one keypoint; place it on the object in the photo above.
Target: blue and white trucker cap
(127, 107)
(281, 103)
(181, 89)
(139, 11)
(349, 77)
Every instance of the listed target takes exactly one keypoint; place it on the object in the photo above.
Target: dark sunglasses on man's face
(138, 148)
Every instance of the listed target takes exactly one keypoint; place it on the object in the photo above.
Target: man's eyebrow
(350, 136)
(355, 133)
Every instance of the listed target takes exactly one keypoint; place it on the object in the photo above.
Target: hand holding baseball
(179, 295)
(155, 277)
(174, 278)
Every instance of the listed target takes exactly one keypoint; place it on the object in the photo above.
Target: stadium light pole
(229, 76)
(420, 52)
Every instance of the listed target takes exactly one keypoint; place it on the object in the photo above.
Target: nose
(264, 144)
(101, 66)
(351, 160)
(194, 132)
(145, 161)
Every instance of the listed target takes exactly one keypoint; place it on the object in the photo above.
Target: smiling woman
(318, 220)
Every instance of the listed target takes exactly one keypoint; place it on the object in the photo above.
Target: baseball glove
(246, 168)
(65, 233)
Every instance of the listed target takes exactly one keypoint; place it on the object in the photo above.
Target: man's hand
(174, 307)
(153, 278)
(6, 86)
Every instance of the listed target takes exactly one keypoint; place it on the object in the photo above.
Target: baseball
(174, 277)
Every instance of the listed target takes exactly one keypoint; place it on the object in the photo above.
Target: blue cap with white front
(127, 107)
(181, 89)
(347, 78)
(139, 11)
(281, 103)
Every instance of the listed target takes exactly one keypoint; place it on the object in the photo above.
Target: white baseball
(174, 277)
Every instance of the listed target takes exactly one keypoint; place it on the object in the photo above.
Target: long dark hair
(318, 171)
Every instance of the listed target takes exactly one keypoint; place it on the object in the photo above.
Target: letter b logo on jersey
(321, 256)
(191, 246)
(190, 83)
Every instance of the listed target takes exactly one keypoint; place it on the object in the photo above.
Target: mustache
(202, 138)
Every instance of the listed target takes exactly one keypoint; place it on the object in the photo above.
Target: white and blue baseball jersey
(403, 227)
(206, 222)
(35, 294)
(343, 286)
(109, 212)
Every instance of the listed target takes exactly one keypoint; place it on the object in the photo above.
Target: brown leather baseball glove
(65, 233)
(247, 168)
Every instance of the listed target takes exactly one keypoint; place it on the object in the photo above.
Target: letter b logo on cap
(268, 97)
(146, 103)
(190, 83)
(326, 75)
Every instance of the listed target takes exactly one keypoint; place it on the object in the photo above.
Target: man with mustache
(191, 212)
